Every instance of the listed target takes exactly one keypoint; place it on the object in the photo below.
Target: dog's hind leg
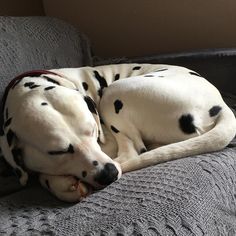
(127, 147)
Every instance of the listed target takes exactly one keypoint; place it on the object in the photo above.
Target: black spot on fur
(137, 68)
(214, 111)
(117, 76)
(102, 82)
(148, 75)
(194, 73)
(51, 80)
(114, 129)
(44, 104)
(101, 120)
(84, 174)
(50, 87)
(91, 104)
(100, 92)
(28, 84)
(34, 86)
(8, 122)
(85, 86)
(10, 136)
(47, 184)
(118, 105)
(186, 124)
(18, 172)
(95, 163)
(142, 150)
(164, 69)
(17, 155)
(70, 149)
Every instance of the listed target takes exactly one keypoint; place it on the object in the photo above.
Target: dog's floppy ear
(14, 159)
(92, 107)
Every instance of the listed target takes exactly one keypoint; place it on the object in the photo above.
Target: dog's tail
(215, 139)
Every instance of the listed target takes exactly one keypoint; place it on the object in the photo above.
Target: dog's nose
(108, 175)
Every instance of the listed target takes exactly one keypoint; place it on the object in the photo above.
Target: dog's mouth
(84, 189)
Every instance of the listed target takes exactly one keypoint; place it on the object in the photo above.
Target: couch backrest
(28, 43)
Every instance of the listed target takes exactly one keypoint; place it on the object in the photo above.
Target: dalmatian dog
(80, 128)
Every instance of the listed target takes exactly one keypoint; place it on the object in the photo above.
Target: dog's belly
(158, 107)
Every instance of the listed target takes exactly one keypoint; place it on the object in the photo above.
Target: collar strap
(32, 73)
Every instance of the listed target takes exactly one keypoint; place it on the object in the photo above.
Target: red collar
(35, 73)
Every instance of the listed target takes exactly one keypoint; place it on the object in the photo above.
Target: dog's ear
(93, 109)
(14, 158)
(101, 135)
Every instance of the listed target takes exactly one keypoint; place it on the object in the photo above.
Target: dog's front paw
(66, 188)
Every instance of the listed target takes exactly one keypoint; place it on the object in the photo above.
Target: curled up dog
(80, 128)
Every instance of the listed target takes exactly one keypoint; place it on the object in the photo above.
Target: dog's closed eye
(70, 149)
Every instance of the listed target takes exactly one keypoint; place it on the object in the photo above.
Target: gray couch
(191, 196)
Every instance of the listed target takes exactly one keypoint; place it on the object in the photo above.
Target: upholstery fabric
(191, 196)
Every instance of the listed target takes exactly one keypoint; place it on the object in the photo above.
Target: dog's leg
(66, 188)
(126, 148)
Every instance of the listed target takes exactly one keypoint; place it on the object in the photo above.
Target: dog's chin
(94, 187)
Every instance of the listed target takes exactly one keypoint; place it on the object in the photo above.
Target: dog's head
(59, 137)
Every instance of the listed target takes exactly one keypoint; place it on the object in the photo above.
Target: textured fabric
(191, 196)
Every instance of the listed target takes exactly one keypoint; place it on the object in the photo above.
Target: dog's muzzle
(108, 175)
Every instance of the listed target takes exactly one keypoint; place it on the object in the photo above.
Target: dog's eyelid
(70, 149)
